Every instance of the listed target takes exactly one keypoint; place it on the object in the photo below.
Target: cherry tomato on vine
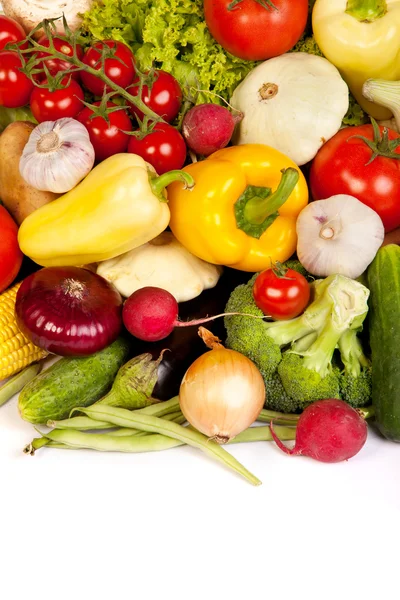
(54, 65)
(164, 97)
(15, 87)
(121, 73)
(164, 148)
(281, 293)
(107, 138)
(11, 31)
(256, 29)
(50, 106)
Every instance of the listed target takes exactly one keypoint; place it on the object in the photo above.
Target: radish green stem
(16, 383)
(266, 416)
(124, 418)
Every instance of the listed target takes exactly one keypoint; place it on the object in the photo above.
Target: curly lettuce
(172, 35)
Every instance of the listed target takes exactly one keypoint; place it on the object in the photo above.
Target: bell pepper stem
(257, 208)
(366, 10)
(158, 184)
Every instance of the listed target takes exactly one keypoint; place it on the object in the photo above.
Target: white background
(84, 525)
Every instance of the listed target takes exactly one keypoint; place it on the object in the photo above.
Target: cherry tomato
(164, 148)
(164, 97)
(10, 253)
(107, 138)
(50, 106)
(11, 31)
(54, 65)
(15, 87)
(281, 295)
(343, 166)
(253, 31)
(121, 73)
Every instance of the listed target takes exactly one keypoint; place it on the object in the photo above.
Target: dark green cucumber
(384, 317)
(71, 382)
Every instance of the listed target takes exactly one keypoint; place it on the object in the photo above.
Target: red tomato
(11, 31)
(54, 65)
(107, 138)
(252, 31)
(281, 296)
(121, 73)
(10, 253)
(50, 106)
(164, 98)
(341, 167)
(15, 87)
(164, 148)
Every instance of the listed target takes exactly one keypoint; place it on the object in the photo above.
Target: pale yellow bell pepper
(362, 39)
(119, 206)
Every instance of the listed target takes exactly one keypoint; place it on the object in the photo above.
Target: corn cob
(16, 351)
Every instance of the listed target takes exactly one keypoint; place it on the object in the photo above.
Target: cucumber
(71, 382)
(384, 317)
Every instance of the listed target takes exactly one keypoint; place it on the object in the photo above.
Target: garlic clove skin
(340, 235)
(58, 155)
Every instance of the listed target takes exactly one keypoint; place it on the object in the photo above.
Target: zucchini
(71, 382)
(384, 318)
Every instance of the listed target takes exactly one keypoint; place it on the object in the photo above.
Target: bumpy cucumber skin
(71, 382)
(384, 315)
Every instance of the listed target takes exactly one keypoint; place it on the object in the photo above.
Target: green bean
(16, 383)
(70, 439)
(266, 416)
(125, 418)
(124, 431)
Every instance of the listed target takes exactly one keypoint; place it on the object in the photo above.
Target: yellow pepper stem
(257, 208)
(158, 184)
(366, 10)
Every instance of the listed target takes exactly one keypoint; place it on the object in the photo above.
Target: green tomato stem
(16, 383)
(124, 418)
(366, 11)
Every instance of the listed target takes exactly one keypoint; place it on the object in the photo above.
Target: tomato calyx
(381, 145)
(101, 109)
(267, 4)
(280, 271)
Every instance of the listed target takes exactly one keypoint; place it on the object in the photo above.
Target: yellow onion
(222, 392)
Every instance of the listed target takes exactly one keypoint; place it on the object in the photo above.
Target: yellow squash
(362, 39)
(243, 209)
(119, 206)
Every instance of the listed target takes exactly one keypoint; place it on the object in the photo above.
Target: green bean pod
(125, 418)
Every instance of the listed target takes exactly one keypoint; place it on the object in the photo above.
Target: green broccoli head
(355, 380)
(277, 397)
(247, 335)
(305, 385)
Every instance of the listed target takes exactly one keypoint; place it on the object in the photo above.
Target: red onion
(69, 311)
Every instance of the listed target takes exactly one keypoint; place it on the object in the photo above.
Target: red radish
(329, 431)
(209, 127)
(151, 314)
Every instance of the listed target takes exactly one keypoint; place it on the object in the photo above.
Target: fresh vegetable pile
(166, 166)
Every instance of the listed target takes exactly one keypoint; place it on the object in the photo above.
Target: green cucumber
(71, 382)
(384, 315)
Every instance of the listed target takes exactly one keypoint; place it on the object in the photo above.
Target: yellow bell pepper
(119, 206)
(232, 217)
(362, 39)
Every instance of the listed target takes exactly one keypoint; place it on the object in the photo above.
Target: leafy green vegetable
(9, 115)
(173, 35)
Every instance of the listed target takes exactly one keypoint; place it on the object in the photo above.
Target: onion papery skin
(69, 311)
(222, 394)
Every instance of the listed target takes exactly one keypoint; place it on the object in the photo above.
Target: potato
(19, 198)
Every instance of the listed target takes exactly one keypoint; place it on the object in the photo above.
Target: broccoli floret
(305, 385)
(248, 336)
(296, 357)
(296, 265)
(277, 398)
(355, 381)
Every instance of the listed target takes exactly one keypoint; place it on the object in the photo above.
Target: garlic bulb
(294, 103)
(57, 156)
(164, 263)
(340, 236)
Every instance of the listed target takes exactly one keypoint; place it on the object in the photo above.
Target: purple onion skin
(69, 311)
